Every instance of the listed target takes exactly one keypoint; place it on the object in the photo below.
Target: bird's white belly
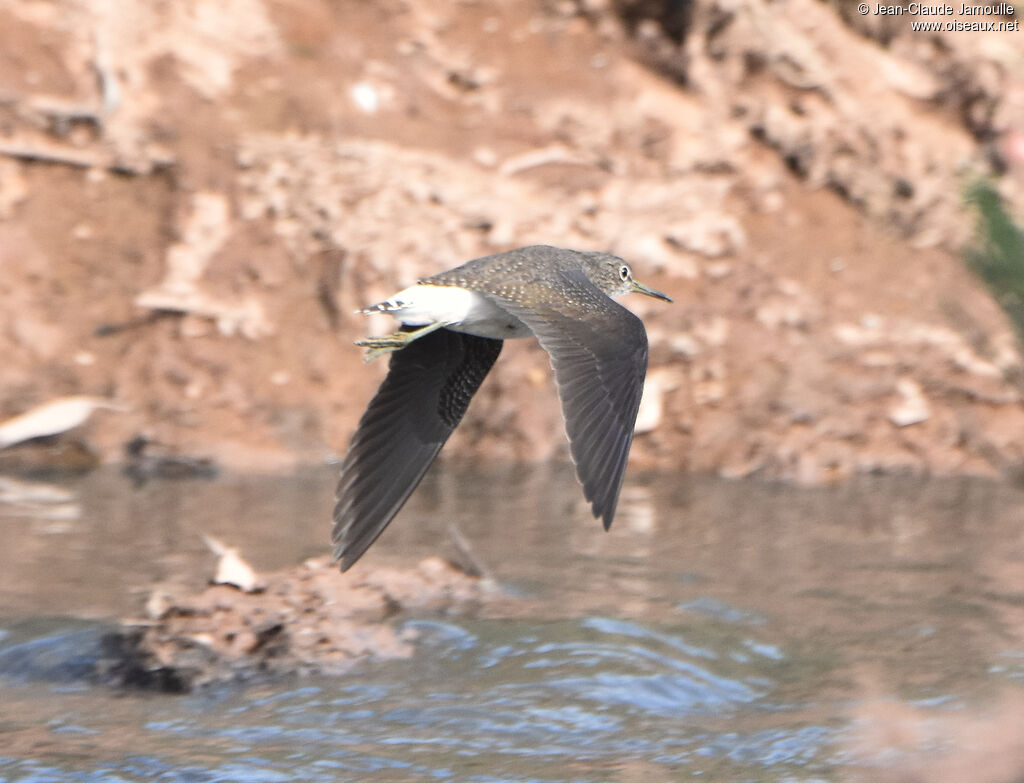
(459, 309)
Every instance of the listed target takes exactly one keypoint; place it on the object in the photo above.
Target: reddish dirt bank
(192, 204)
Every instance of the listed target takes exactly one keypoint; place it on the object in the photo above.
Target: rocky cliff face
(194, 198)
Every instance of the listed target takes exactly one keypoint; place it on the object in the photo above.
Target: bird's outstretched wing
(598, 350)
(424, 396)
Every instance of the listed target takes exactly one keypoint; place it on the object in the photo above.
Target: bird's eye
(624, 273)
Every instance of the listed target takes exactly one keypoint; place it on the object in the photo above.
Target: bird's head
(613, 276)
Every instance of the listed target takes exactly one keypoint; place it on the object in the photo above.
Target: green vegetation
(997, 256)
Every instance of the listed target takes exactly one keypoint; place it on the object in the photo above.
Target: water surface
(721, 630)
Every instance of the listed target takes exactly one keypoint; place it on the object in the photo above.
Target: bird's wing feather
(598, 350)
(424, 396)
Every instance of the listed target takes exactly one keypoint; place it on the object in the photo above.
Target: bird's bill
(640, 288)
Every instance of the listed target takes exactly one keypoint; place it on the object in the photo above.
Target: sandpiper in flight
(452, 328)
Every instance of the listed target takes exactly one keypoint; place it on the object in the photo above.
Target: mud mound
(305, 620)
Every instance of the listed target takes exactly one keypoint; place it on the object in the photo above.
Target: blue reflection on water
(480, 699)
(720, 610)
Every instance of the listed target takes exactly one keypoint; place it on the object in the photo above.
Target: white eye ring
(624, 273)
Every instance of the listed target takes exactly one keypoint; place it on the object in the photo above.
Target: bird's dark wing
(598, 350)
(427, 390)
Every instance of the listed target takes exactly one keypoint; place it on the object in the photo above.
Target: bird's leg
(378, 346)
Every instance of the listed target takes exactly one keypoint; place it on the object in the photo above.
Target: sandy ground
(194, 198)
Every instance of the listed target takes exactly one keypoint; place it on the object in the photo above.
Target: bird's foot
(378, 346)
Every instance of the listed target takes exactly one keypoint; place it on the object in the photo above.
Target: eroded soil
(194, 198)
